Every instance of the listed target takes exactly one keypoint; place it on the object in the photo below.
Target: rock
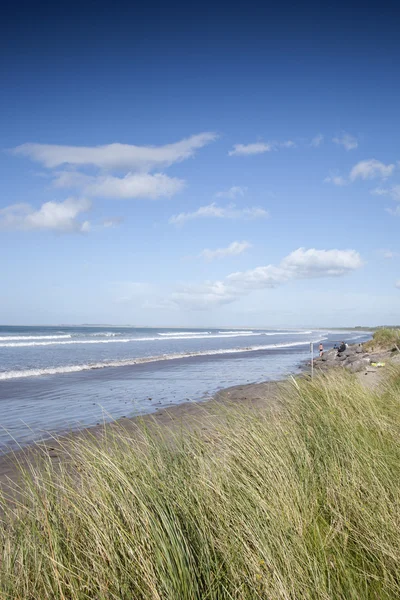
(358, 365)
(328, 356)
(349, 352)
(353, 358)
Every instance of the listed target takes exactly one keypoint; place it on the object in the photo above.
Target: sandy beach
(189, 416)
(199, 417)
(292, 449)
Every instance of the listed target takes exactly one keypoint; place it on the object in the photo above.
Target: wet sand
(190, 416)
(199, 417)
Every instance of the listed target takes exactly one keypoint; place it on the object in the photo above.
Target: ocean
(58, 379)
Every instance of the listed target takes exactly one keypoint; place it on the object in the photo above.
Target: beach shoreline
(188, 416)
(52, 386)
(201, 434)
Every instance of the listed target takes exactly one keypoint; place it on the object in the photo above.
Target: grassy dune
(300, 505)
(384, 339)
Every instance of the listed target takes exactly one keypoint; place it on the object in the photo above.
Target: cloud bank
(124, 171)
(300, 264)
(132, 185)
(115, 156)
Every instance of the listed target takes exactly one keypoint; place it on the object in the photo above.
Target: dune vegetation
(302, 503)
(384, 338)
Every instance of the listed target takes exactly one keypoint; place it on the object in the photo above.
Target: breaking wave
(179, 333)
(12, 338)
(117, 340)
(113, 338)
(136, 361)
(104, 334)
(240, 332)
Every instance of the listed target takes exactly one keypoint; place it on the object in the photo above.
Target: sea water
(56, 379)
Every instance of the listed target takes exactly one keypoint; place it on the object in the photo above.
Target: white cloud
(246, 149)
(300, 264)
(393, 192)
(336, 180)
(317, 140)
(259, 148)
(398, 284)
(132, 185)
(321, 263)
(55, 216)
(258, 278)
(139, 161)
(116, 156)
(371, 169)
(346, 140)
(232, 250)
(233, 192)
(220, 212)
(368, 169)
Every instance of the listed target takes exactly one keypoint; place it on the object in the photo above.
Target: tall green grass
(384, 339)
(300, 505)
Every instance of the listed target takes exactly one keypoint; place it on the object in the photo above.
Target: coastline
(192, 416)
(48, 386)
(188, 416)
(205, 470)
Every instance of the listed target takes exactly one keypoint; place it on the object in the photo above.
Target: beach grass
(385, 338)
(300, 503)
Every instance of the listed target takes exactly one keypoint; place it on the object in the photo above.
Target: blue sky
(223, 165)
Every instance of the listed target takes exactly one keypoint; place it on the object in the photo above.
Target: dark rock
(353, 358)
(330, 355)
(358, 365)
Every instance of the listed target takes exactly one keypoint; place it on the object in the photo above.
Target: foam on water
(12, 338)
(179, 333)
(239, 332)
(111, 338)
(288, 333)
(120, 340)
(135, 361)
(103, 334)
